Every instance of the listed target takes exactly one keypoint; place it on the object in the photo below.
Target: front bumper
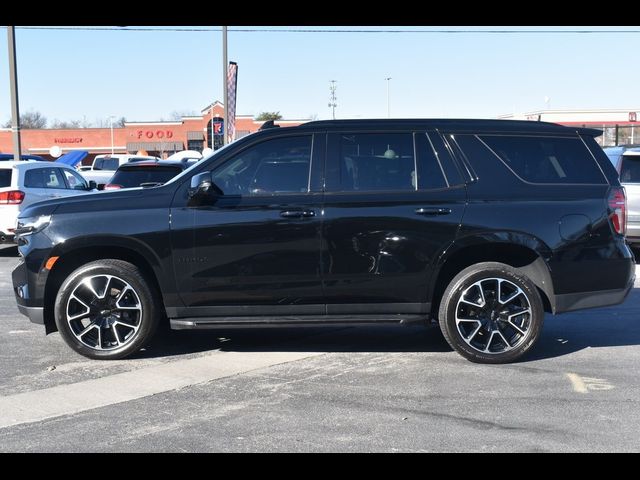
(35, 314)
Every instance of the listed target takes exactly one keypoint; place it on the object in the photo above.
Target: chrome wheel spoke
(496, 304)
(104, 312)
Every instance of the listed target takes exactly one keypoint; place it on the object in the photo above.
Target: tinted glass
(430, 173)
(630, 169)
(5, 177)
(134, 177)
(106, 164)
(275, 166)
(44, 178)
(446, 160)
(74, 180)
(377, 161)
(546, 159)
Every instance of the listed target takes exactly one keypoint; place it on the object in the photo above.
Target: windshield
(204, 159)
(134, 177)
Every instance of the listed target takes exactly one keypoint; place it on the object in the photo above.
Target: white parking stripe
(577, 383)
(78, 397)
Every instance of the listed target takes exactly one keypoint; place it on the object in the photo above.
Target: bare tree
(66, 124)
(31, 119)
(178, 114)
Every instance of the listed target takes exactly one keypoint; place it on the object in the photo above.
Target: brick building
(156, 138)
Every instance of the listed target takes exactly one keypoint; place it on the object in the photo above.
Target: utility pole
(388, 101)
(13, 80)
(332, 98)
(225, 94)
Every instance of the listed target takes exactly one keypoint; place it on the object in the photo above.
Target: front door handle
(432, 211)
(297, 213)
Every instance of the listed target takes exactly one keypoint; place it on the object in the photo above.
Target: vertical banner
(232, 88)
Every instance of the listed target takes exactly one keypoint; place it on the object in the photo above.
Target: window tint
(444, 155)
(546, 159)
(74, 180)
(377, 161)
(136, 176)
(106, 164)
(43, 178)
(280, 165)
(430, 173)
(630, 169)
(5, 177)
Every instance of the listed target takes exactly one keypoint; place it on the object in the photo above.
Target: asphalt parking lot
(383, 389)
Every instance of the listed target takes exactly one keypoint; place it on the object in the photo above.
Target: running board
(197, 323)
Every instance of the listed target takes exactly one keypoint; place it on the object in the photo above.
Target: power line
(315, 30)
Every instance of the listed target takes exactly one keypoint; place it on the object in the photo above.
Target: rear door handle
(297, 213)
(432, 211)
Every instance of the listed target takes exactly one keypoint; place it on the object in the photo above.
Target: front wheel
(491, 313)
(106, 310)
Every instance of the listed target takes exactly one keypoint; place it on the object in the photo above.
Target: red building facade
(155, 138)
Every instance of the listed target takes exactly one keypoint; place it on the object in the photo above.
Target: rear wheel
(491, 313)
(106, 310)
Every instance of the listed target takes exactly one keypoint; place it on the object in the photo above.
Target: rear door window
(630, 169)
(559, 160)
(5, 177)
(44, 178)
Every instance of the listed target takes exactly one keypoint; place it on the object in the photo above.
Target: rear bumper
(602, 298)
(7, 238)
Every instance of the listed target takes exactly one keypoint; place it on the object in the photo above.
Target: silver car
(627, 163)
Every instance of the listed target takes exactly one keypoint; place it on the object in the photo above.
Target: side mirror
(101, 186)
(92, 185)
(202, 186)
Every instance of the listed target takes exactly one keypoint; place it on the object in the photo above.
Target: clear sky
(145, 75)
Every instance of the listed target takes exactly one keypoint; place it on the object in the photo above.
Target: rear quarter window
(559, 160)
(5, 177)
(630, 169)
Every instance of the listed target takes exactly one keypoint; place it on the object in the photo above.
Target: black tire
(492, 319)
(144, 321)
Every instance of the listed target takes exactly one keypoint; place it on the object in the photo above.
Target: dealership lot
(338, 389)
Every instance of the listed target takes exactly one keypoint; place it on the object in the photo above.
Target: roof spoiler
(269, 124)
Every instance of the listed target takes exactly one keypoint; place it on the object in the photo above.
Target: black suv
(482, 225)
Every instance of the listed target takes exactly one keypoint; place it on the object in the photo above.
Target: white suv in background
(626, 159)
(25, 182)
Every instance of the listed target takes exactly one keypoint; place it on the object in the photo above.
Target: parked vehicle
(104, 166)
(480, 225)
(146, 173)
(11, 157)
(27, 181)
(626, 161)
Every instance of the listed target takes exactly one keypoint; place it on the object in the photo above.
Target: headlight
(29, 225)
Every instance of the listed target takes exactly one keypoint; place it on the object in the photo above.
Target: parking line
(78, 397)
(577, 383)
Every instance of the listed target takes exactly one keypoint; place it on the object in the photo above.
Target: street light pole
(13, 80)
(388, 101)
(111, 117)
(224, 85)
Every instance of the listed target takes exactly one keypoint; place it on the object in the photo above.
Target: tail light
(618, 210)
(112, 186)
(12, 197)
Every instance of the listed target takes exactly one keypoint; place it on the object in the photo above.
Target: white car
(25, 182)
(104, 166)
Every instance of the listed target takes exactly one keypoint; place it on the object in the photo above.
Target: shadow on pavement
(303, 339)
(561, 335)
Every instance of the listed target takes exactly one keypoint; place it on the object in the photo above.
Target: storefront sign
(155, 134)
(67, 140)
